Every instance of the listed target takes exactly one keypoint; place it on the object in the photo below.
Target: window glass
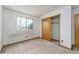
(29, 23)
(24, 23)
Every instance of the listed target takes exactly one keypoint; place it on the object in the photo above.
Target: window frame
(25, 28)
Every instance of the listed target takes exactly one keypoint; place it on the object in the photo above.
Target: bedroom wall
(65, 25)
(0, 27)
(10, 34)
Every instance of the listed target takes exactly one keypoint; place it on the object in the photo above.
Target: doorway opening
(51, 29)
(55, 35)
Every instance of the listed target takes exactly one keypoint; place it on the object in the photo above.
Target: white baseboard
(19, 41)
(0, 48)
(66, 45)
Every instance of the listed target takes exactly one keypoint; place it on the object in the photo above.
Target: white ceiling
(36, 10)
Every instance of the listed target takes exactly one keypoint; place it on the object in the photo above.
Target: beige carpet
(37, 46)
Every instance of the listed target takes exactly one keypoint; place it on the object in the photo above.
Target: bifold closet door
(46, 29)
(77, 30)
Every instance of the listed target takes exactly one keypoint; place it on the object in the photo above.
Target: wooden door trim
(74, 31)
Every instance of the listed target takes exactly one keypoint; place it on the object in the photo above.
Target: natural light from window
(24, 23)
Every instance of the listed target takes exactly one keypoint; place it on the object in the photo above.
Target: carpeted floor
(37, 46)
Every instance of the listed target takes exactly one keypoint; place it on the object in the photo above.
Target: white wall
(0, 27)
(65, 25)
(10, 34)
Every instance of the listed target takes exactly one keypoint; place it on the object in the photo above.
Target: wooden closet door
(46, 29)
(77, 30)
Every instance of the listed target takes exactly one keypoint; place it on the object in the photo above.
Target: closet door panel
(46, 29)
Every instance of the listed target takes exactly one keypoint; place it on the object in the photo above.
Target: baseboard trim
(21, 41)
(66, 47)
(1, 49)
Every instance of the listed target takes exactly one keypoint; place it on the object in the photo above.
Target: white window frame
(19, 28)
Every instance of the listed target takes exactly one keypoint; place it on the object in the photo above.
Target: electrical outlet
(61, 40)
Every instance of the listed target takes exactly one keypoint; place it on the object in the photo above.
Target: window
(29, 23)
(24, 23)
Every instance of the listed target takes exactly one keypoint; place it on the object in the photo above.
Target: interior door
(77, 30)
(46, 29)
